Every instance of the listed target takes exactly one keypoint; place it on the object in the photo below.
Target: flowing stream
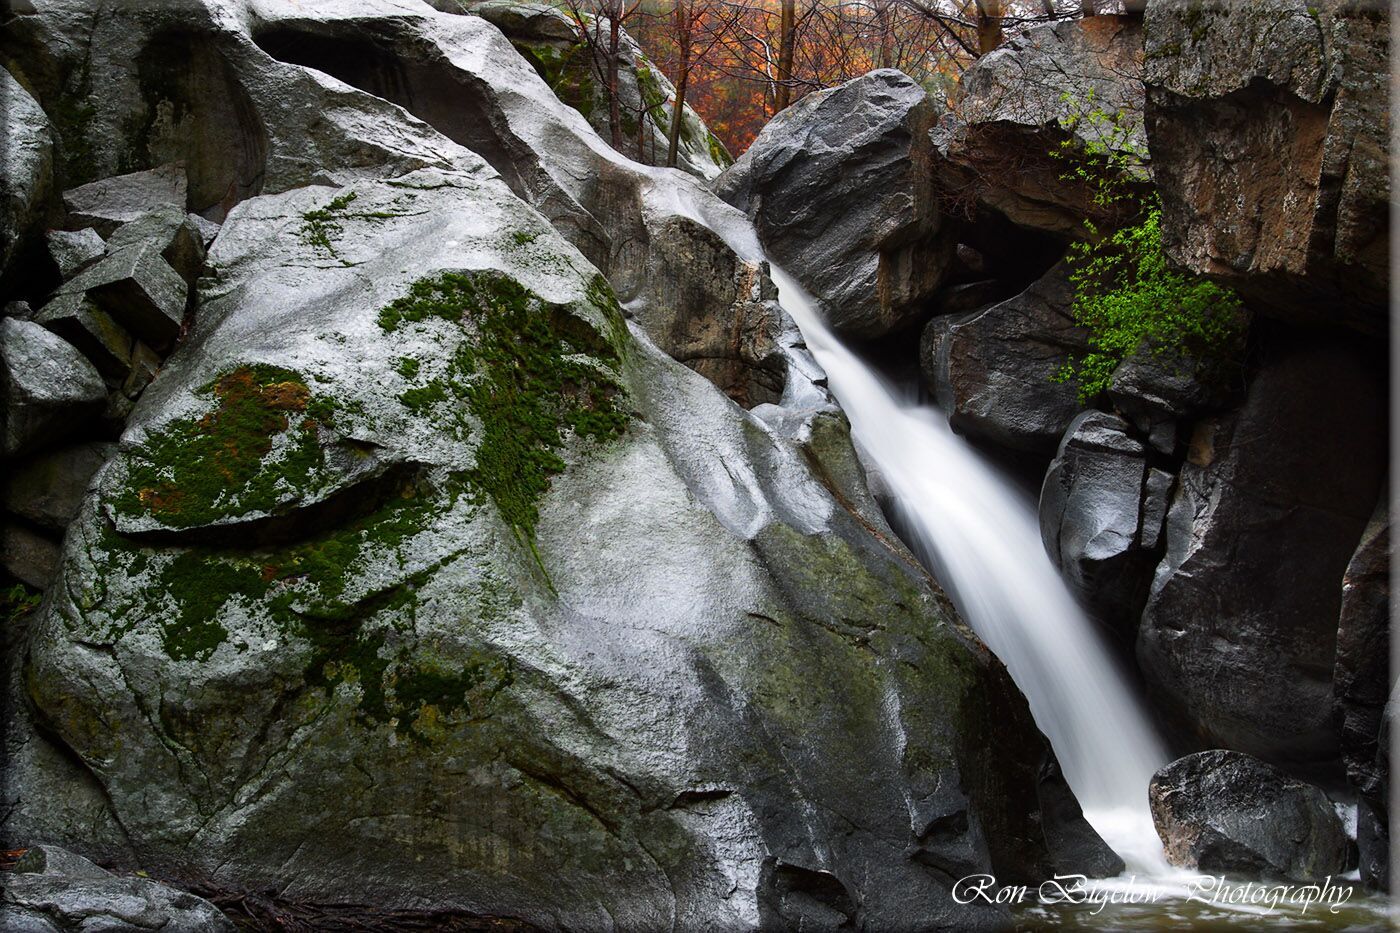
(980, 538)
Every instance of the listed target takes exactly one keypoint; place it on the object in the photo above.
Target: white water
(981, 540)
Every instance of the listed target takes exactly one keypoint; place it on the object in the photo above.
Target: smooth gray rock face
(1238, 635)
(26, 164)
(48, 489)
(1363, 682)
(54, 889)
(994, 147)
(1224, 811)
(139, 289)
(77, 319)
(1092, 517)
(993, 370)
(111, 202)
(71, 250)
(838, 188)
(49, 388)
(1268, 129)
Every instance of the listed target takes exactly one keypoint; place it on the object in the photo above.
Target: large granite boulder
(1092, 516)
(993, 370)
(420, 564)
(1268, 126)
(1075, 81)
(1224, 811)
(605, 606)
(52, 890)
(1239, 633)
(838, 186)
(1362, 681)
(26, 165)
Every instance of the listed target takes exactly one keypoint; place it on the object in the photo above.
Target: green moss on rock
(197, 471)
(528, 371)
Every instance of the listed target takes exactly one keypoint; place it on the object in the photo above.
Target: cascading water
(980, 539)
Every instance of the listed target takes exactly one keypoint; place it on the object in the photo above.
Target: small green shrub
(1126, 293)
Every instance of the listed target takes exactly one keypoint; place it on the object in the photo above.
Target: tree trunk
(988, 25)
(683, 30)
(787, 26)
(614, 106)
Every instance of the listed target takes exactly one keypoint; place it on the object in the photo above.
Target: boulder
(49, 388)
(1239, 633)
(78, 320)
(28, 555)
(1227, 812)
(53, 889)
(107, 204)
(718, 317)
(26, 165)
(1013, 108)
(72, 250)
(1362, 682)
(139, 290)
(993, 371)
(838, 188)
(48, 489)
(1268, 130)
(1093, 520)
(415, 572)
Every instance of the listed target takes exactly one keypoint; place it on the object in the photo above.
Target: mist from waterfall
(980, 538)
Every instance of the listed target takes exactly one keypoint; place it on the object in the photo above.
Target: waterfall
(980, 538)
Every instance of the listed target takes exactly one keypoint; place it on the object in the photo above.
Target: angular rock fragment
(993, 371)
(110, 202)
(841, 177)
(168, 231)
(139, 289)
(73, 250)
(75, 318)
(49, 387)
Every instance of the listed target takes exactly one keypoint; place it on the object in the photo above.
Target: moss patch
(528, 372)
(200, 470)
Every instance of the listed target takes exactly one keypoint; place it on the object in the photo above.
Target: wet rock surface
(993, 149)
(993, 370)
(1092, 518)
(1222, 811)
(838, 187)
(52, 889)
(356, 544)
(1239, 633)
(1267, 125)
